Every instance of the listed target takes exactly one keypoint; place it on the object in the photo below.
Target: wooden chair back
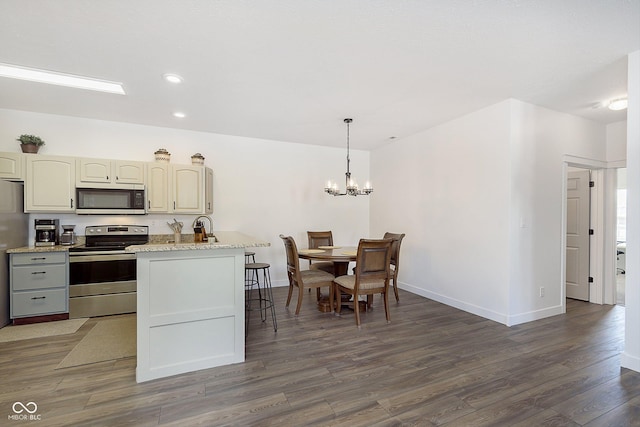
(395, 247)
(373, 262)
(319, 238)
(293, 262)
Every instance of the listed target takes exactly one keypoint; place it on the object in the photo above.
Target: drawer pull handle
(38, 297)
(39, 272)
(37, 259)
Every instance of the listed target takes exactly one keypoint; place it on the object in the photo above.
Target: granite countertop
(165, 242)
(224, 240)
(27, 249)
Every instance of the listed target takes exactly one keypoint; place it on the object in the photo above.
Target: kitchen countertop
(27, 249)
(225, 240)
(164, 242)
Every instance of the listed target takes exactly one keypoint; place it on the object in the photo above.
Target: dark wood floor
(433, 365)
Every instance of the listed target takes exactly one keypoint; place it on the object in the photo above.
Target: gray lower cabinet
(39, 284)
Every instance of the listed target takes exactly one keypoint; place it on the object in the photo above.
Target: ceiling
(292, 70)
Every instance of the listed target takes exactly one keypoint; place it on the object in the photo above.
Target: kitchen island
(190, 304)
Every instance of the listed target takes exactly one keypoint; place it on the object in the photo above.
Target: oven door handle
(97, 258)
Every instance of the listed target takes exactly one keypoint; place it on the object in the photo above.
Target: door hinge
(590, 279)
(592, 184)
(591, 232)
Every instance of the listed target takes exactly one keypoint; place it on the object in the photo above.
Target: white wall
(481, 204)
(448, 189)
(617, 142)
(631, 354)
(262, 188)
(539, 141)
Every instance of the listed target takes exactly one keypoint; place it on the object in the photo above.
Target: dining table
(341, 256)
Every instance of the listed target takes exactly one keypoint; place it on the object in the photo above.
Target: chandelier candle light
(351, 186)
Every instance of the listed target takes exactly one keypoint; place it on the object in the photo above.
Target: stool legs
(262, 284)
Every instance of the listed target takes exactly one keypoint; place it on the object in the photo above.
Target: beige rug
(110, 339)
(40, 330)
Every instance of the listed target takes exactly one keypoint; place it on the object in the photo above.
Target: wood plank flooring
(432, 365)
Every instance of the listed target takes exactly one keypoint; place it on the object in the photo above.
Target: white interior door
(577, 260)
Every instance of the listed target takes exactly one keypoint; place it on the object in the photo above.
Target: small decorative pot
(197, 159)
(30, 148)
(162, 155)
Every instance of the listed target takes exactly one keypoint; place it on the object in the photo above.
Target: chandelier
(351, 186)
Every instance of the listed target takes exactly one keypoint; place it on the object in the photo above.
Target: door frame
(603, 222)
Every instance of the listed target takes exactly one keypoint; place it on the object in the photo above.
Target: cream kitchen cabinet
(159, 192)
(39, 284)
(208, 190)
(12, 166)
(49, 184)
(105, 172)
(192, 188)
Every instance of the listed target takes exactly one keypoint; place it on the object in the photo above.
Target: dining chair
(372, 275)
(302, 279)
(317, 239)
(395, 259)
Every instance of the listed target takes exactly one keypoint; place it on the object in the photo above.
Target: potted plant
(30, 143)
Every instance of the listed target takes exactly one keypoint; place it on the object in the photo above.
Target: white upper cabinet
(158, 188)
(51, 181)
(192, 189)
(12, 166)
(106, 172)
(208, 190)
(49, 184)
(93, 170)
(127, 172)
(188, 189)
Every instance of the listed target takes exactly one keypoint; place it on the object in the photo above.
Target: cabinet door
(93, 170)
(11, 166)
(127, 172)
(50, 184)
(208, 190)
(188, 189)
(158, 188)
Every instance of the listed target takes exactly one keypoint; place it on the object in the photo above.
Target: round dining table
(341, 256)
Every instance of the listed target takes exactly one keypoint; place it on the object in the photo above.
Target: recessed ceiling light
(179, 114)
(618, 104)
(60, 79)
(172, 78)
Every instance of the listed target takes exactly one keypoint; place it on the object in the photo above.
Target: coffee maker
(47, 232)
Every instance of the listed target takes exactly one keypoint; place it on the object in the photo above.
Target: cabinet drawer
(38, 302)
(39, 277)
(38, 258)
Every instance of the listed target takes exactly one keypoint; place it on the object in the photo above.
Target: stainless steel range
(102, 276)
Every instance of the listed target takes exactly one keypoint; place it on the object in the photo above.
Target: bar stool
(264, 299)
(249, 257)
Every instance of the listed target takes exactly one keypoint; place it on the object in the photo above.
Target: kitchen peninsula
(190, 304)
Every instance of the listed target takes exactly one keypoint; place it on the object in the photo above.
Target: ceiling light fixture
(618, 104)
(60, 79)
(179, 114)
(351, 186)
(173, 78)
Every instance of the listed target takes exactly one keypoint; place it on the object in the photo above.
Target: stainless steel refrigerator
(14, 233)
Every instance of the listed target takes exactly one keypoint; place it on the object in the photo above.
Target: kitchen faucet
(210, 233)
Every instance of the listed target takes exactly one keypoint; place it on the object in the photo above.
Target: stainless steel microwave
(111, 201)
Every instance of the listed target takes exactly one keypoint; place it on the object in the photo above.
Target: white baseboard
(630, 362)
(483, 312)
